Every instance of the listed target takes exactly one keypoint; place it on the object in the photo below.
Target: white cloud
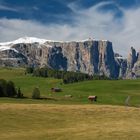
(2, 7)
(123, 33)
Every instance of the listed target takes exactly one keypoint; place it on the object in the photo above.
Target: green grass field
(70, 118)
(112, 92)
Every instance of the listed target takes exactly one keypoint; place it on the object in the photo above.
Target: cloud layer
(124, 32)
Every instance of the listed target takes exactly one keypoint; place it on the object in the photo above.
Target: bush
(29, 70)
(3, 88)
(7, 88)
(19, 93)
(36, 93)
(10, 89)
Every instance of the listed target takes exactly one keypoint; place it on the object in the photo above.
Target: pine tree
(10, 89)
(19, 94)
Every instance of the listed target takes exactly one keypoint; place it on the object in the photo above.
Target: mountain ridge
(88, 56)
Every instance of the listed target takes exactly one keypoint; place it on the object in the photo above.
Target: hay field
(68, 122)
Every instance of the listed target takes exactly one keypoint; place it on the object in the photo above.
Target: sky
(115, 20)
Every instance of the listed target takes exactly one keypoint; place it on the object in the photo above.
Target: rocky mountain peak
(132, 58)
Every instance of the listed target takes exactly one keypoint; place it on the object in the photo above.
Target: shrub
(36, 93)
(29, 70)
(11, 90)
(19, 94)
(3, 88)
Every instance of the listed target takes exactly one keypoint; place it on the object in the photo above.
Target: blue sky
(114, 20)
(57, 11)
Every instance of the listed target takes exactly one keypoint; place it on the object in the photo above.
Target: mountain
(88, 56)
(129, 68)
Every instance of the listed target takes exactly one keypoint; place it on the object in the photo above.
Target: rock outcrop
(93, 57)
(122, 66)
(132, 58)
(129, 68)
(133, 65)
(136, 67)
(89, 56)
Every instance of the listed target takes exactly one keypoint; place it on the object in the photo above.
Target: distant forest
(66, 76)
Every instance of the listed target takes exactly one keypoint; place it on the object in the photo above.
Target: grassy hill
(70, 118)
(108, 91)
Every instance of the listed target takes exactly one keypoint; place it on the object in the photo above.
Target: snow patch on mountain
(30, 40)
(25, 40)
(120, 57)
(40, 41)
(3, 48)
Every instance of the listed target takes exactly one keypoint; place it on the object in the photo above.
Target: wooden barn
(56, 89)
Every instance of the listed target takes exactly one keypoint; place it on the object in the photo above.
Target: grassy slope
(43, 121)
(66, 122)
(108, 92)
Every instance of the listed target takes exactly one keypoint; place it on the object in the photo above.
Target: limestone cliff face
(93, 57)
(37, 55)
(136, 68)
(121, 66)
(129, 68)
(132, 64)
(90, 56)
(132, 58)
(12, 58)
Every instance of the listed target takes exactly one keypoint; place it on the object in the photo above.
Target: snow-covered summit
(40, 41)
(24, 40)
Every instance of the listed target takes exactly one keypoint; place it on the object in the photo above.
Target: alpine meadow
(69, 70)
(60, 117)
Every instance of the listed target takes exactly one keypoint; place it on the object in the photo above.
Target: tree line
(66, 76)
(8, 89)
